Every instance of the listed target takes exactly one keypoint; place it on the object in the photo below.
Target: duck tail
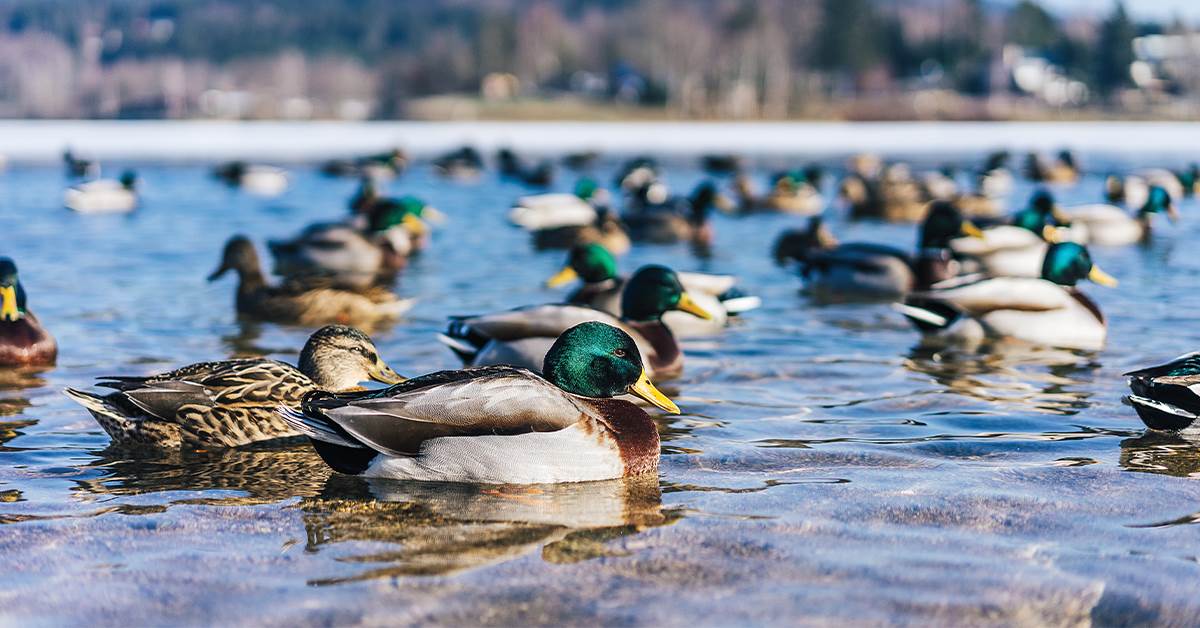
(1160, 415)
(318, 428)
(928, 315)
(462, 340)
(120, 427)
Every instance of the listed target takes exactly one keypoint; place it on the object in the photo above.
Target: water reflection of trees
(433, 528)
(1045, 379)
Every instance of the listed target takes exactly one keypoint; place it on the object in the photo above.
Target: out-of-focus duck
(675, 219)
(1109, 225)
(513, 167)
(866, 271)
(894, 197)
(256, 179)
(536, 212)
(381, 166)
(500, 425)
(522, 336)
(1133, 190)
(602, 286)
(23, 340)
(77, 166)
(1063, 170)
(103, 196)
(231, 403)
(302, 302)
(1048, 310)
(1017, 249)
(464, 163)
(792, 192)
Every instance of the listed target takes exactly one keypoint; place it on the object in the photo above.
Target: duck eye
(620, 353)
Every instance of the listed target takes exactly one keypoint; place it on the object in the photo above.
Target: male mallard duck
(352, 257)
(1048, 311)
(521, 337)
(1017, 249)
(302, 302)
(675, 219)
(23, 340)
(602, 287)
(550, 211)
(103, 196)
(858, 271)
(792, 192)
(1064, 169)
(1109, 225)
(1165, 396)
(232, 402)
(1133, 190)
(255, 179)
(1189, 179)
(499, 425)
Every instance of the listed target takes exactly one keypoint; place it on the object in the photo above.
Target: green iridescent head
(1068, 263)
(388, 213)
(592, 262)
(1041, 212)
(1158, 201)
(12, 294)
(586, 187)
(597, 360)
(653, 291)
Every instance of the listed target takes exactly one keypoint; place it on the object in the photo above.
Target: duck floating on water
(1109, 225)
(231, 403)
(256, 179)
(23, 340)
(1164, 396)
(103, 196)
(499, 425)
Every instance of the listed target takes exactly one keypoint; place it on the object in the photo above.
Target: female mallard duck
(791, 192)
(352, 257)
(302, 302)
(1063, 170)
(606, 231)
(867, 271)
(602, 286)
(499, 425)
(1048, 311)
(103, 196)
(1109, 225)
(232, 402)
(894, 197)
(1165, 396)
(521, 337)
(23, 340)
(1017, 249)
(676, 219)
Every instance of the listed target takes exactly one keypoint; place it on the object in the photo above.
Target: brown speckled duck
(23, 340)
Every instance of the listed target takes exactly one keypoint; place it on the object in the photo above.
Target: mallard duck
(1109, 225)
(791, 193)
(256, 179)
(581, 160)
(23, 340)
(78, 166)
(722, 163)
(1133, 190)
(513, 167)
(1165, 396)
(1048, 311)
(1189, 179)
(464, 163)
(353, 257)
(866, 271)
(232, 402)
(1017, 249)
(521, 337)
(381, 166)
(894, 197)
(103, 196)
(607, 231)
(539, 212)
(601, 289)
(302, 302)
(499, 425)
(994, 179)
(1063, 170)
(675, 219)
(636, 174)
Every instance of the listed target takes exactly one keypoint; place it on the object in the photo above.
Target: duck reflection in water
(442, 528)
(12, 382)
(1042, 378)
(1164, 453)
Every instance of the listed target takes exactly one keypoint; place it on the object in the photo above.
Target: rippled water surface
(824, 469)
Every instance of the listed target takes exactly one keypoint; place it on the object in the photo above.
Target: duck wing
(537, 320)
(470, 402)
(1003, 293)
(252, 382)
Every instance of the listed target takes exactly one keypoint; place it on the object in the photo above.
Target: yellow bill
(644, 389)
(1102, 278)
(971, 229)
(564, 276)
(415, 225)
(724, 203)
(1059, 216)
(686, 304)
(1051, 234)
(8, 304)
(383, 373)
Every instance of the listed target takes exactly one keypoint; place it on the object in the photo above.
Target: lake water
(824, 468)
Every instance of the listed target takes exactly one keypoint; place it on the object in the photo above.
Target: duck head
(128, 179)
(1041, 213)
(943, 223)
(1068, 263)
(704, 198)
(1159, 201)
(586, 187)
(12, 294)
(597, 360)
(590, 262)
(653, 291)
(800, 244)
(337, 357)
(239, 255)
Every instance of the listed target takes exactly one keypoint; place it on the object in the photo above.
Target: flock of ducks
(559, 392)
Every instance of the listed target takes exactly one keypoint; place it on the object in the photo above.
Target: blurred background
(600, 60)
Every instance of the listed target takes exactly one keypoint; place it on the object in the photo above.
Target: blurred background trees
(359, 59)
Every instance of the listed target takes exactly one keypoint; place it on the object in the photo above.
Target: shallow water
(824, 469)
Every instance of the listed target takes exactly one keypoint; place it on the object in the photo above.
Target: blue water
(824, 469)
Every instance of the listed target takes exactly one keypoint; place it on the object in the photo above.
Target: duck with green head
(1049, 310)
(23, 340)
(675, 219)
(1109, 225)
(522, 336)
(230, 403)
(1017, 249)
(500, 424)
(586, 217)
(858, 271)
(1166, 396)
